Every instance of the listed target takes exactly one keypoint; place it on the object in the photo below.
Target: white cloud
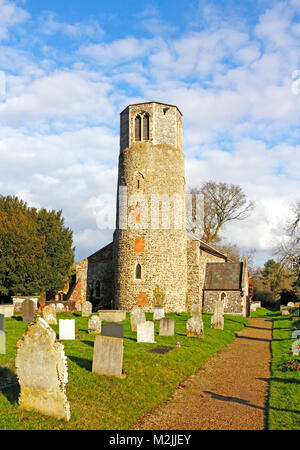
(50, 25)
(11, 15)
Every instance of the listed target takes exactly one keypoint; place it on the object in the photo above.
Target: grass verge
(108, 403)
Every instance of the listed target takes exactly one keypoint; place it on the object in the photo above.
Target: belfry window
(97, 289)
(138, 272)
(142, 127)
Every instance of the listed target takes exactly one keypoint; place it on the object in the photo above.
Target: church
(152, 259)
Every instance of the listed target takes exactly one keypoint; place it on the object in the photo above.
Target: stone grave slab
(145, 332)
(86, 309)
(94, 325)
(42, 371)
(166, 326)
(49, 314)
(137, 315)
(67, 329)
(112, 315)
(108, 356)
(194, 327)
(112, 329)
(160, 349)
(28, 310)
(7, 310)
(2, 342)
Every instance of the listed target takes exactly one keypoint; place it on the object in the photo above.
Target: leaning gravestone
(137, 315)
(217, 320)
(42, 371)
(94, 325)
(86, 309)
(67, 329)
(49, 314)
(112, 329)
(2, 342)
(145, 332)
(28, 310)
(108, 356)
(194, 327)
(166, 326)
(158, 312)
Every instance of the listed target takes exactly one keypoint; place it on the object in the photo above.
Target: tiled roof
(223, 276)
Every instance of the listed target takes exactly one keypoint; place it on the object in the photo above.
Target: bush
(287, 295)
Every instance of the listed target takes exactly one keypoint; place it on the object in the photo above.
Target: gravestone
(194, 327)
(49, 314)
(137, 315)
(217, 319)
(67, 329)
(285, 312)
(291, 305)
(86, 309)
(2, 342)
(28, 310)
(166, 326)
(108, 356)
(158, 312)
(59, 307)
(42, 371)
(7, 310)
(112, 329)
(1, 322)
(94, 325)
(145, 332)
(112, 315)
(195, 310)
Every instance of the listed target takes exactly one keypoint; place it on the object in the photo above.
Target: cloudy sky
(68, 68)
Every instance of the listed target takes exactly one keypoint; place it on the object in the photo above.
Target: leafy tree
(35, 249)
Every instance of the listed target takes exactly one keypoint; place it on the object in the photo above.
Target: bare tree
(222, 203)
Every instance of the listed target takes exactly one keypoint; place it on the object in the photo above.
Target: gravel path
(229, 392)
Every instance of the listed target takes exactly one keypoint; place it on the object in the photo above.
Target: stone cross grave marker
(145, 332)
(108, 356)
(166, 326)
(137, 315)
(86, 309)
(94, 325)
(49, 314)
(194, 327)
(67, 329)
(42, 371)
(112, 329)
(28, 310)
(158, 312)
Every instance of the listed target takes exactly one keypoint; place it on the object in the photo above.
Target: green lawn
(107, 403)
(284, 402)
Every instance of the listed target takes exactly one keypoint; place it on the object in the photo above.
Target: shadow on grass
(256, 339)
(82, 362)
(9, 385)
(287, 381)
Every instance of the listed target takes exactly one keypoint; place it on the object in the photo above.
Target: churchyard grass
(284, 398)
(108, 403)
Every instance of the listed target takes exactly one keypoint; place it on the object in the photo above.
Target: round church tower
(150, 246)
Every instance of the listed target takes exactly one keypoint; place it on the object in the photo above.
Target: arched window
(145, 127)
(138, 272)
(138, 128)
(97, 289)
(139, 180)
(223, 299)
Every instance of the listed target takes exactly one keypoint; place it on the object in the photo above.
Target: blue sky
(70, 67)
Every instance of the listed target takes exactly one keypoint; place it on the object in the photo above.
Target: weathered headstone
(194, 327)
(195, 310)
(94, 325)
(1, 322)
(112, 315)
(145, 332)
(137, 315)
(285, 312)
(59, 307)
(7, 310)
(217, 319)
(108, 356)
(166, 326)
(28, 310)
(49, 314)
(112, 329)
(86, 309)
(67, 329)
(158, 312)
(42, 371)
(2, 342)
